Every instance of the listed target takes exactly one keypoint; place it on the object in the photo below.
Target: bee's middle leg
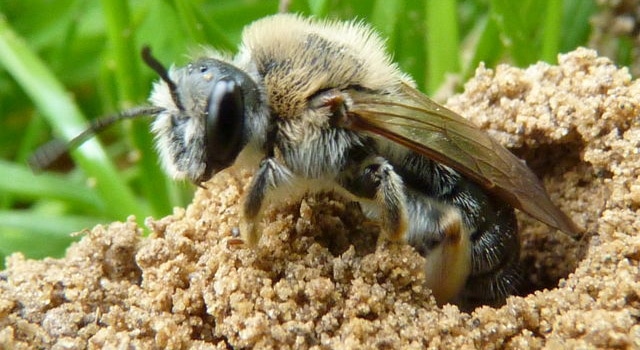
(374, 178)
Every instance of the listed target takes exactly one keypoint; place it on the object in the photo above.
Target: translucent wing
(416, 122)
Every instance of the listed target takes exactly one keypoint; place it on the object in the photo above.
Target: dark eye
(224, 125)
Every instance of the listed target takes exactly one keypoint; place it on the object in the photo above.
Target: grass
(65, 62)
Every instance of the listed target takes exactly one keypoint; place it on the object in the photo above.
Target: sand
(318, 279)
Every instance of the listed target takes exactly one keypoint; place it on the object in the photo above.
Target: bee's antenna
(154, 64)
(50, 152)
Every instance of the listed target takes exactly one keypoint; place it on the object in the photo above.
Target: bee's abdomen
(491, 224)
(495, 257)
(495, 245)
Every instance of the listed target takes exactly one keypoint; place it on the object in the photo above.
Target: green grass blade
(20, 181)
(575, 26)
(443, 42)
(487, 48)
(56, 105)
(384, 17)
(122, 50)
(319, 8)
(552, 35)
(126, 58)
(200, 29)
(188, 19)
(36, 235)
(43, 224)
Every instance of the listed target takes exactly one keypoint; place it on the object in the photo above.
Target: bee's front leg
(375, 179)
(270, 175)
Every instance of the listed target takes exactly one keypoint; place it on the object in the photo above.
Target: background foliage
(64, 62)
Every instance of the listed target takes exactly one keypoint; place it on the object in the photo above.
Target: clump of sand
(319, 280)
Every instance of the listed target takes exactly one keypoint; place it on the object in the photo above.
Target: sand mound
(318, 279)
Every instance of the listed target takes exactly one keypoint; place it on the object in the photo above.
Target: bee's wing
(413, 120)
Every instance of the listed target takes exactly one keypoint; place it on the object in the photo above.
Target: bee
(319, 105)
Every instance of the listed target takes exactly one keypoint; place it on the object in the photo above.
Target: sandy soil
(319, 280)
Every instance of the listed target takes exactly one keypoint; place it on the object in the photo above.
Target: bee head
(205, 113)
(208, 109)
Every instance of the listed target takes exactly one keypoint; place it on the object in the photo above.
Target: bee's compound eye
(224, 125)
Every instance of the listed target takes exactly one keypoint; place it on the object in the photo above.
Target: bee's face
(208, 120)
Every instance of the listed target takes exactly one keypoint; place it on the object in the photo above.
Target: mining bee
(320, 104)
